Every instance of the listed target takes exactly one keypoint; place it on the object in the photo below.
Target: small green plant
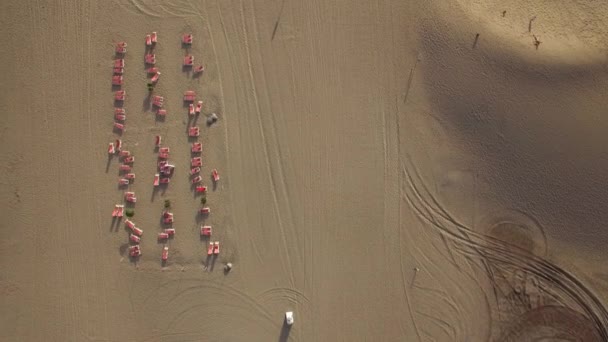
(167, 204)
(203, 200)
(150, 87)
(130, 212)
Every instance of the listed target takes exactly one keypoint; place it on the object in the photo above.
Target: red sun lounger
(201, 189)
(154, 37)
(196, 161)
(197, 179)
(129, 224)
(137, 231)
(206, 230)
(165, 180)
(162, 164)
(199, 69)
(120, 117)
(189, 95)
(210, 248)
(164, 150)
(119, 110)
(148, 40)
(187, 38)
(155, 77)
(118, 71)
(158, 101)
(163, 236)
(111, 148)
(129, 160)
(191, 109)
(131, 199)
(119, 126)
(193, 131)
(158, 140)
(216, 176)
(117, 80)
(125, 168)
(156, 179)
(118, 210)
(152, 70)
(120, 95)
(124, 153)
(199, 106)
(163, 155)
(188, 60)
(196, 147)
(118, 144)
(195, 170)
(165, 254)
(161, 112)
(167, 217)
(134, 238)
(205, 210)
(216, 248)
(119, 63)
(134, 251)
(170, 231)
(150, 58)
(130, 176)
(123, 182)
(121, 47)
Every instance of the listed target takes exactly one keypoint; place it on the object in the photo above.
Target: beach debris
(289, 317)
(196, 147)
(205, 210)
(193, 131)
(530, 23)
(118, 210)
(196, 161)
(165, 254)
(134, 251)
(117, 80)
(158, 140)
(188, 60)
(187, 38)
(201, 189)
(123, 182)
(121, 47)
(134, 238)
(198, 108)
(189, 95)
(111, 148)
(199, 69)
(206, 230)
(504, 13)
(156, 179)
(216, 176)
(120, 95)
(197, 179)
(150, 58)
(211, 119)
(228, 267)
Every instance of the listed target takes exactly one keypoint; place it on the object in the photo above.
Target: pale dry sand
(384, 176)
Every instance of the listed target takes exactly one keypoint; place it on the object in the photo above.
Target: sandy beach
(390, 171)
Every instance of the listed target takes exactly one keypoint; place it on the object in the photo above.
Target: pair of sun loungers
(214, 248)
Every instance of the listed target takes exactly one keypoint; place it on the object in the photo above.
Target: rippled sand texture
(386, 174)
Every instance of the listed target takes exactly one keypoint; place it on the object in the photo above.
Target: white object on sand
(289, 317)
